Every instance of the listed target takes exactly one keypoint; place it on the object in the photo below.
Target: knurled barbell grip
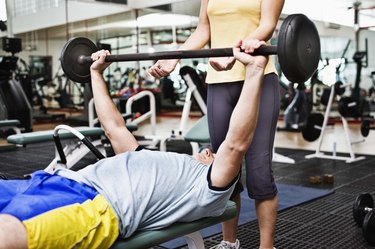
(179, 54)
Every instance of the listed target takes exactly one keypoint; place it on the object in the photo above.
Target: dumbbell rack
(318, 153)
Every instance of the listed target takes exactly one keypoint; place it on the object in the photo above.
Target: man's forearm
(241, 130)
(108, 113)
(244, 117)
(110, 118)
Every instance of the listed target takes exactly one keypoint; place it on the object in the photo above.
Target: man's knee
(12, 233)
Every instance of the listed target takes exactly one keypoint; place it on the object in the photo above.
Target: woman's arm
(270, 13)
(197, 40)
(200, 37)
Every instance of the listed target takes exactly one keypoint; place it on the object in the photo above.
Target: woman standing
(223, 23)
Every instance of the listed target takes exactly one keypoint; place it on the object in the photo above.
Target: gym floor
(323, 223)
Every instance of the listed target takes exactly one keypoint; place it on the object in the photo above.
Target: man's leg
(12, 233)
(266, 213)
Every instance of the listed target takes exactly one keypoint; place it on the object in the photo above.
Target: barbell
(298, 51)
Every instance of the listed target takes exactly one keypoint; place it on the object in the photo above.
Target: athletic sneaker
(226, 245)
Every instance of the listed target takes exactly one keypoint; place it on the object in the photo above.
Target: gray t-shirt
(150, 189)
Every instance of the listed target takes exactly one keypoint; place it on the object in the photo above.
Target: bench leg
(73, 152)
(194, 240)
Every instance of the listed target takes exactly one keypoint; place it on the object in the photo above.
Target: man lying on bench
(134, 190)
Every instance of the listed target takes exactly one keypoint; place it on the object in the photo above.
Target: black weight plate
(324, 99)
(365, 128)
(348, 107)
(298, 48)
(312, 129)
(339, 90)
(70, 53)
(368, 228)
(361, 201)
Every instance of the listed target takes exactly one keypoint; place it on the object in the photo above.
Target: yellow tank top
(231, 21)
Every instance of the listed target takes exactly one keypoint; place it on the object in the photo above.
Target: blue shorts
(42, 192)
(58, 212)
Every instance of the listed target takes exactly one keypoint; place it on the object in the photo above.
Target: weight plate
(324, 99)
(365, 128)
(362, 201)
(368, 228)
(298, 48)
(313, 127)
(348, 107)
(339, 90)
(73, 49)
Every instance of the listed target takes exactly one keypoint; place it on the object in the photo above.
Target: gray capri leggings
(221, 100)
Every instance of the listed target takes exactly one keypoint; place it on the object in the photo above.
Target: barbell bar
(298, 51)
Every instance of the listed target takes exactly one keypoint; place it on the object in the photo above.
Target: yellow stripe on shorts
(92, 224)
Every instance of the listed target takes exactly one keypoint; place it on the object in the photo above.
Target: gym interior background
(321, 142)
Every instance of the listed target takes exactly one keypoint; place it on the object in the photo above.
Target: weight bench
(10, 124)
(73, 150)
(198, 134)
(190, 231)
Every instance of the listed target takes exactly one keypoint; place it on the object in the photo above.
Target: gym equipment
(73, 151)
(317, 130)
(313, 128)
(17, 104)
(371, 91)
(298, 52)
(364, 215)
(297, 112)
(363, 204)
(196, 92)
(12, 45)
(356, 105)
(190, 231)
(339, 90)
(10, 124)
(366, 127)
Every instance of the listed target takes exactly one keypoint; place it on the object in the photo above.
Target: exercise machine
(13, 95)
(317, 126)
(297, 112)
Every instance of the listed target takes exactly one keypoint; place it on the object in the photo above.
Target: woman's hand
(162, 68)
(222, 63)
(249, 45)
(246, 58)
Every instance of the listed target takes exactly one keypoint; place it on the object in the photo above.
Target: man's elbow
(112, 130)
(239, 146)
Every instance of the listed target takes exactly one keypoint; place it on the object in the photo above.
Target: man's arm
(243, 121)
(110, 118)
